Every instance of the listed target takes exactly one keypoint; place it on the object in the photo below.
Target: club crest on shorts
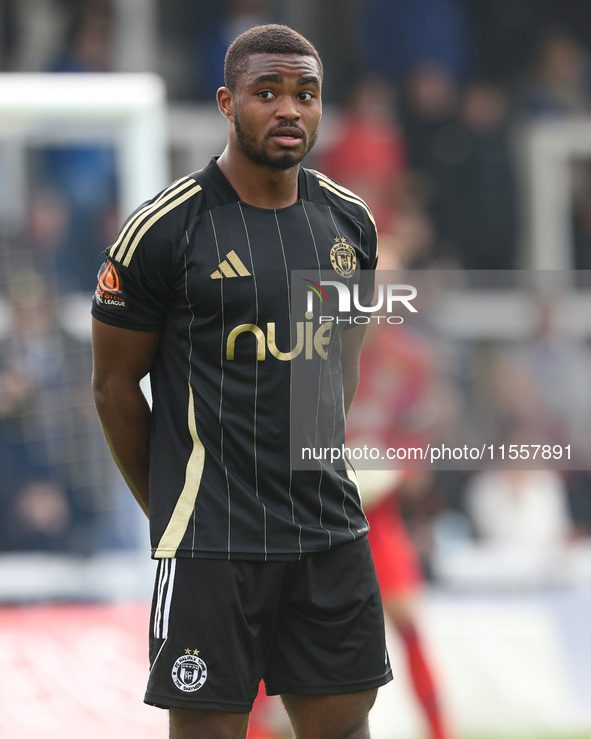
(343, 258)
(189, 672)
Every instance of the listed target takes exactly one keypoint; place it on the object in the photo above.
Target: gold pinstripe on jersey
(222, 377)
(287, 284)
(256, 382)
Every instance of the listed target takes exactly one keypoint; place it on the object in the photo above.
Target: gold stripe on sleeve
(162, 211)
(117, 250)
(342, 192)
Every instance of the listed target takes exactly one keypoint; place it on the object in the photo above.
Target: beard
(258, 155)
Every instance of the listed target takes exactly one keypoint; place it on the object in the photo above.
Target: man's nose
(287, 108)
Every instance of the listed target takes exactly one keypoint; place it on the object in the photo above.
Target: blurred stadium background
(466, 125)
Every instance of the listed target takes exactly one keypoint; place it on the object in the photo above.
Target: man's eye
(265, 94)
(305, 96)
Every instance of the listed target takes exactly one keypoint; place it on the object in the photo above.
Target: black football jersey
(213, 275)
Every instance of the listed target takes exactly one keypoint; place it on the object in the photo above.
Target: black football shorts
(310, 627)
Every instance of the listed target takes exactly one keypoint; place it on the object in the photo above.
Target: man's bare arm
(121, 358)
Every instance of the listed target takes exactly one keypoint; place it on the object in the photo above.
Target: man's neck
(259, 185)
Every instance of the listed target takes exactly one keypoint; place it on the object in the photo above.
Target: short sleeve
(133, 289)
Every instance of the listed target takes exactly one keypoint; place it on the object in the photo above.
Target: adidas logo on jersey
(231, 266)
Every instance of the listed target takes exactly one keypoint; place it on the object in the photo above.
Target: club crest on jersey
(189, 672)
(343, 258)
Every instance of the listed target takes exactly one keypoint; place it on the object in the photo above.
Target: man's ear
(225, 101)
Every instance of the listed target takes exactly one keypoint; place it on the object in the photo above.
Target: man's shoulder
(181, 199)
(161, 218)
(324, 188)
(180, 196)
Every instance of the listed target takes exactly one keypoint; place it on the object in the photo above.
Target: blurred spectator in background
(519, 509)
(486, 228)
(85, 175)
(30, 32)
(39, 243)
(215, 27)
(579, 501)
(435, 144)
(558, 82)
(366, 152)
(397, 36)
(460, 150)
(89, 39)
(46, 489)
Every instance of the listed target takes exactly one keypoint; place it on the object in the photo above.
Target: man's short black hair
(268, 39)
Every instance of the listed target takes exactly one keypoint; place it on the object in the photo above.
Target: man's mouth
(287, 136)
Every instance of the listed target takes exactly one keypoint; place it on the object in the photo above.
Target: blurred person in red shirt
(367, 153)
